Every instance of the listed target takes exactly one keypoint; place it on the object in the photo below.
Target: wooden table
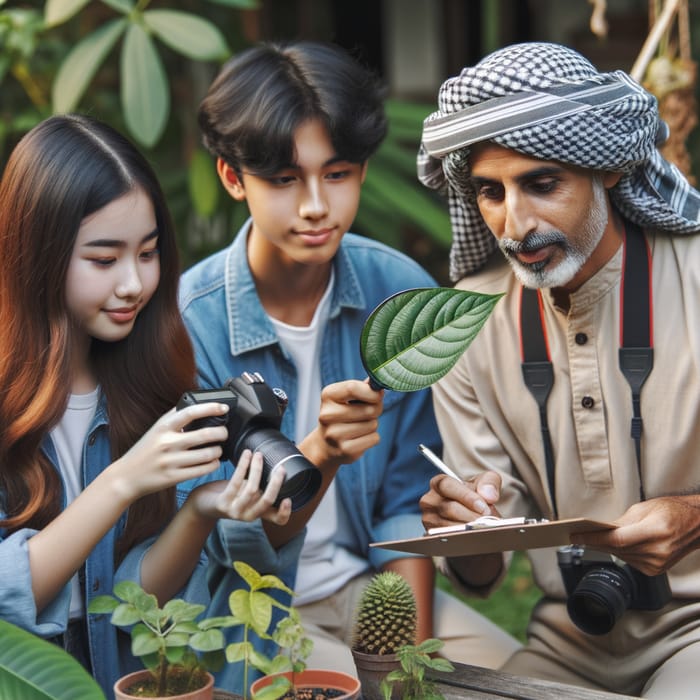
(478, 683)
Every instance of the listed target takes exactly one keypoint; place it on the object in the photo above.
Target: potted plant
(177, 652)
(285, 675)
(389, 663)
(33, 669)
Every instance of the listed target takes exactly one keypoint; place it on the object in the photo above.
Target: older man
(581, 395)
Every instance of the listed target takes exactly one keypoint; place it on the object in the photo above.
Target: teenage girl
(93, 359)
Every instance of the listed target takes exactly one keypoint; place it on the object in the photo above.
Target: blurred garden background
(143, 66)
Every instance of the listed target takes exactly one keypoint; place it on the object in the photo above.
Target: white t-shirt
(68, 438)
(324, 567)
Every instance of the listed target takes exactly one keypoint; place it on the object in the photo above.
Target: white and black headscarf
(548, 101)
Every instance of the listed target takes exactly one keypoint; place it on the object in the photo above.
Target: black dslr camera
(600, 589)
(253, 421)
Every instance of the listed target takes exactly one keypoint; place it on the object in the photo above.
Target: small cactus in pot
(385, 619)
(389, 664)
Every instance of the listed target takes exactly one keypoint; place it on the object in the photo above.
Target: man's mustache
(533, 241)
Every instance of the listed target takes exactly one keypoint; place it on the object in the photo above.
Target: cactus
(385, 619)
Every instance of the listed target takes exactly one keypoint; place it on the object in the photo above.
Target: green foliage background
(143, 67)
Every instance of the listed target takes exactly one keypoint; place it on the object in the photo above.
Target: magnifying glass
(414, 337)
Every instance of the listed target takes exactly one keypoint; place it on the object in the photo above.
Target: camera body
(600, 588)
(253, 422)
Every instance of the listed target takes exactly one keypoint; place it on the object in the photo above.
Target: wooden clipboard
(502, 538)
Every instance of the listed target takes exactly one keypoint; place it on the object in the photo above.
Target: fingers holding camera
(168, 454)
(651, 535)
(240, 498)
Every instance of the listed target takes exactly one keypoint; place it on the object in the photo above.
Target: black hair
(261, 96)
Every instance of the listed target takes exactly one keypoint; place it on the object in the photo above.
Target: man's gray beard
(574, 257)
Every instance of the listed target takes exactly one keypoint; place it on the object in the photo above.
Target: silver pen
(434, 459)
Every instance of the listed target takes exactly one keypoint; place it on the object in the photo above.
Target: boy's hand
(347, 423)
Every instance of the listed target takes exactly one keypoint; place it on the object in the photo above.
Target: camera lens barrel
(599, 600)
(303, 478)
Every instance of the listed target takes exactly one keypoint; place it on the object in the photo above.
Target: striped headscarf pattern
(546, 100)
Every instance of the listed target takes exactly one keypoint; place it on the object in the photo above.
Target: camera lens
(600, 599)
(303, 479)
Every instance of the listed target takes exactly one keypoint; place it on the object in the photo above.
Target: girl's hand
(168, 454)
(240, 498)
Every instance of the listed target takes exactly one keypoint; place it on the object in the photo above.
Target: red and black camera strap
(636, 353)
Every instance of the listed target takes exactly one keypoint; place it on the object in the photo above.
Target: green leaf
(208, 641)
(415, 337)
(180, 610)
(239, 603)
(176, 639)
(144, 87)
(430, 646)
(125, 614)
(58, 11)
(280, 664)
(175, 654)
(248, 574)
(272, 581)
(439, 664)
(81, 64)
(238, 651)
(418, 206)
(276, 689)
(221, 621)
(131, 592)
(102, 604)
(145, 644)
(187, 34)
(203, 183)
(34, 669)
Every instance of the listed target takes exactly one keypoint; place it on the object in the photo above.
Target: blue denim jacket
(109, 650)
(232, 334)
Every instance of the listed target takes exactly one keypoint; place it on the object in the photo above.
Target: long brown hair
(63, 170)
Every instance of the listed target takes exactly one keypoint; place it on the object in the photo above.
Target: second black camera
(600, 590)
(253, 422)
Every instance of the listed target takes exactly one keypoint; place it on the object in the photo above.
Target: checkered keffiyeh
(548, 101)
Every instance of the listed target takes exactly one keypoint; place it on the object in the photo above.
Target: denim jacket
(232, 333)
(109, 649)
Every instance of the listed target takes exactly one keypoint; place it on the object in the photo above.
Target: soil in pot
(142, 685)
(316, 684)
(315, 694)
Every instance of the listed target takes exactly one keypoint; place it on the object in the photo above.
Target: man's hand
(450, 501)
(652, 535)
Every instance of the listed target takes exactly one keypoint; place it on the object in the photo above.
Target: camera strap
(636, 354)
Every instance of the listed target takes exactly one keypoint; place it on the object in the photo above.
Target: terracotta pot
(317, 678)
(372, 669)
(204, 693)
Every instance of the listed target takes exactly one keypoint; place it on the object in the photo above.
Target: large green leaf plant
(34, 669)
(144, 86)
(415, 337)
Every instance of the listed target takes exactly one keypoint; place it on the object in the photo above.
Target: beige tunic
(490, 421)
